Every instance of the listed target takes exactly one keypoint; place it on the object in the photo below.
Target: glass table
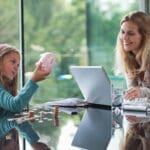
(92, 129)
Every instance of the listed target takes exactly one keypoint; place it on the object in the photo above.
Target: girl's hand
(133, 93)
(39, 73)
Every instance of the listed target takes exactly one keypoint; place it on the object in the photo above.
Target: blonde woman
(133, 54)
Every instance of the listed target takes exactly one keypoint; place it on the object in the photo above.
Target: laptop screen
(93, 83)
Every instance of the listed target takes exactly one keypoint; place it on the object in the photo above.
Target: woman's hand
(132, 93)
(39, 73)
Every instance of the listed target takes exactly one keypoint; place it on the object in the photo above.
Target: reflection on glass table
(113, 128)
(134, 131)
(137, 133)
(9, 129)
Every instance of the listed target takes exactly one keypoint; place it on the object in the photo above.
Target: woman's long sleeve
(145, 92)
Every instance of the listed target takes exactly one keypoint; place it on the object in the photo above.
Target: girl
(10, 100)
(9, 64)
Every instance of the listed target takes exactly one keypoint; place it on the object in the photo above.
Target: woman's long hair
(126, 62)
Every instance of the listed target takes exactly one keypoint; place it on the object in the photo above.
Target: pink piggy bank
(48, 61)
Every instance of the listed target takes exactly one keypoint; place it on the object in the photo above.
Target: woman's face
(10, 65)
(130, 37)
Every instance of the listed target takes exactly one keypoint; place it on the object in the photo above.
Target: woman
(133, 54)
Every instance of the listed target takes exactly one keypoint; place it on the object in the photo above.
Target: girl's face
(10, 65)
(130, 37)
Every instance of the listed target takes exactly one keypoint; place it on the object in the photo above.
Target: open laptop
(93, 83)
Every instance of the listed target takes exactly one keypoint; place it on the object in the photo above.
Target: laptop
(94, 84)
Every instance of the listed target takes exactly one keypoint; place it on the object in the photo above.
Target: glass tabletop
(93, 129)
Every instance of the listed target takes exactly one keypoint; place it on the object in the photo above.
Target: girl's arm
(17, 103)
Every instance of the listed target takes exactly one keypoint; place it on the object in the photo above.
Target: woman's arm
(134, 91)
(145, 92)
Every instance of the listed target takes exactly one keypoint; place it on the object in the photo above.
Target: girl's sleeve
(5, 127)
(25, 129)
(17, 103)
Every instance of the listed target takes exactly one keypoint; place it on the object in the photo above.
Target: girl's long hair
(11, 86)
